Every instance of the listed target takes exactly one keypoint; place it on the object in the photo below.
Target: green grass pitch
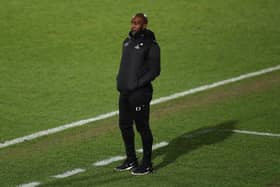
(58, 64)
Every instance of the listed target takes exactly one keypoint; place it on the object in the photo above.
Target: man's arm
(153, 66)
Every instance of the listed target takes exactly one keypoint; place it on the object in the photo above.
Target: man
(140, 65)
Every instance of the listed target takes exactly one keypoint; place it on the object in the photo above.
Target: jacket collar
(142, 35)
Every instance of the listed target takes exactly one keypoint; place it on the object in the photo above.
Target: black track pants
(135, 107)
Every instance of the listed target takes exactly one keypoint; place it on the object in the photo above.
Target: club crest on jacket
(126, 44)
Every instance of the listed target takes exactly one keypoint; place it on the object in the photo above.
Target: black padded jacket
(140, 61)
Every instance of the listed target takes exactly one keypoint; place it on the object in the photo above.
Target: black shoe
(143, 169)
(127, 165)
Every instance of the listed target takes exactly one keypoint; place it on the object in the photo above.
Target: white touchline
(205, 131)
(255, 133)
(155, 146)
(69, 173)
(109, 161)
(118, 158)
(31, 184)
(156, 101)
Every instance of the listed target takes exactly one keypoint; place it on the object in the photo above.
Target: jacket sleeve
(153, 66)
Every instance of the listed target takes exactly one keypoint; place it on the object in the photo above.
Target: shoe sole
(126, 169)
(139, 174)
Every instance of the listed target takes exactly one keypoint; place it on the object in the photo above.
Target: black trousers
(135, 107)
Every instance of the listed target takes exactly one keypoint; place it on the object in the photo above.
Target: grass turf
(214, 159)
(58, 61)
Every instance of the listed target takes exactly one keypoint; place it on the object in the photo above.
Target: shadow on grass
(193, 140)
(177, 147)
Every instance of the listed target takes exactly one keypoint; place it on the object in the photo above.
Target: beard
(133, 32)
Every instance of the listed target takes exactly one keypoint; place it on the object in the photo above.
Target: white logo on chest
(139, 45)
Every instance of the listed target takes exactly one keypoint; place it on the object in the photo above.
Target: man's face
(137, 24)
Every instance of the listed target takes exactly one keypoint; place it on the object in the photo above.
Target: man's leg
(126, 127)
(143, 127)
(141, 114)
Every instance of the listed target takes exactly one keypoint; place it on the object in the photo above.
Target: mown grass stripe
(156, 101)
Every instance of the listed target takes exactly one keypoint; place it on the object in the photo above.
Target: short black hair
(143, 16)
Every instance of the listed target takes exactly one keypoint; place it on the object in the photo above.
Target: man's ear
(145, 26)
